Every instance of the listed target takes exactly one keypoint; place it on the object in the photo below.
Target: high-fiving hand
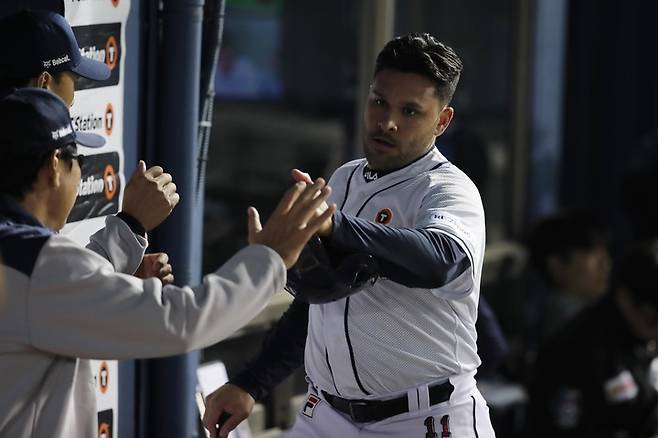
(294, 220)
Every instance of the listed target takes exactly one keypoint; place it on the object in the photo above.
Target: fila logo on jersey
(384, 216)
(311, 402)
(370, 175)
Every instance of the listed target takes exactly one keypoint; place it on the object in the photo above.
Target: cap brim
(89, 140)
(90, 69)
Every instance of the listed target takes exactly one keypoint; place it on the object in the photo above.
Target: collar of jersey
(420, 165)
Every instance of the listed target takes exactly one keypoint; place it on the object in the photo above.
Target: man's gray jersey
(389, 337)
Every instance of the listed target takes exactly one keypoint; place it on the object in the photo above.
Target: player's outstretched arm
(412, 257)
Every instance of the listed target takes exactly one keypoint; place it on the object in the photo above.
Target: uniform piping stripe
(326, 356)
(349, 346)
(347, 189)
(475, 429)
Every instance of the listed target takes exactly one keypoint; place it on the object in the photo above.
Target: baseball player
(45, 54)
(398, 358)
(61, 304)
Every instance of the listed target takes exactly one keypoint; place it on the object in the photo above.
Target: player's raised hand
(226, 408)
(150, 196)
(326, 228)
(294, 220)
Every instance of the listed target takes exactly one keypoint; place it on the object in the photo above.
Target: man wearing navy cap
(44, 53)
(61, 304)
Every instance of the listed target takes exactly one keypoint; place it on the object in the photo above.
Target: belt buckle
(356, 412)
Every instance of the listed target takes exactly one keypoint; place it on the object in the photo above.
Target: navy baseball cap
(34, 121)
(36, 41)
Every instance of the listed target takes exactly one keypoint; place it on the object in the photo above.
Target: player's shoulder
(447, 177)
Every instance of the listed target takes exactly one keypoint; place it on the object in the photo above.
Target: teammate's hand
(228, 399)
(150, 196)
(293, 222)
(327, 227)
(156, 265)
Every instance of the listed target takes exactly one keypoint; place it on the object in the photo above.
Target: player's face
(403, 117)
(68, 174)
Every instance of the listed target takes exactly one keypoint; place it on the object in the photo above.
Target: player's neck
(372, 174)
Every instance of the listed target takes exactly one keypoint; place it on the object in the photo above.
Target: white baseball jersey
(389, 337)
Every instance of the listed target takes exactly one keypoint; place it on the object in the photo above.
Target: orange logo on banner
(115, 3)
(110, 179)
(384, 216)
(104, 377)
(111, 52)
(109, 119)
(104, 430)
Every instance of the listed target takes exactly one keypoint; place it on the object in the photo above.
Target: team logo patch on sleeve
(384, 216)
(311, 402)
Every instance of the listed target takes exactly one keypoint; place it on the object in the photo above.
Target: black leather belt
(365, 411)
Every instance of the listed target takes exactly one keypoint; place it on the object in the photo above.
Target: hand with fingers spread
(326, 228)
(294, 220)
(229, 402)
(156, 265)
(150, 196)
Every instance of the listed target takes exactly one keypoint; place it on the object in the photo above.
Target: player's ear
(44, 80)
(445, 117)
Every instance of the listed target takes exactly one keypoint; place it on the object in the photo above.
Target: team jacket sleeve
(423, 258)
(120, 243)
(281, 355)
(78, 306)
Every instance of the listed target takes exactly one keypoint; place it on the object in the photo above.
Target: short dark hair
(8, 84)
(562, 234)
(423, 54)
(19, 173)
(638, 272)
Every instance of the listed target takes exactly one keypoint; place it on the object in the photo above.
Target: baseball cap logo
(111, 52)
(109, 119)
(384, 216)
(48, 63)
(61, 132)
(109, 178)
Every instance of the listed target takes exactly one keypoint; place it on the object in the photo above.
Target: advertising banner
(99, 27)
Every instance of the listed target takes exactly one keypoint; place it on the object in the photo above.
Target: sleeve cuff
(133, 223)
(246, 381)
